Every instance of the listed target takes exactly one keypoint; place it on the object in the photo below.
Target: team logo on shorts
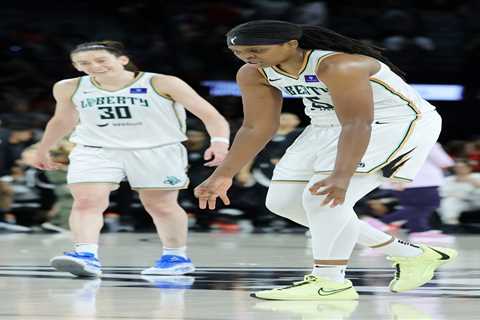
(171, 180)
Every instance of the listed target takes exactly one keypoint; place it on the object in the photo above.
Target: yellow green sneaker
(310, 310)
(412, 272)
(311, 288)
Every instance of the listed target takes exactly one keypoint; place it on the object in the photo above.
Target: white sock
(182, 251)
(385, 243)
(87, 247)
(400, 248)
(335, 273)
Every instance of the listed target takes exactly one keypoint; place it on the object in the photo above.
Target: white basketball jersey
(134, 117)
(394, 100)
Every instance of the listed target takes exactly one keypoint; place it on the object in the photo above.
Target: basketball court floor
(230, 266)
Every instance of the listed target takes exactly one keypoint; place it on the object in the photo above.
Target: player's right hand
(43, 161)
(209, 190)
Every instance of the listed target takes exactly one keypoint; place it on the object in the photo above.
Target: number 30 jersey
(133, 117)
(393, 99)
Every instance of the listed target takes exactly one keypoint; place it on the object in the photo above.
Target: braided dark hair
(264, 32)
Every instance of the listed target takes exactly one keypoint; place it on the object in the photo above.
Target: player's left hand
(334, 188)
(209, 190)
(216, 153)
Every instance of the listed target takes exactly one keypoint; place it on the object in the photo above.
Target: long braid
(267, 32)
(315, 37)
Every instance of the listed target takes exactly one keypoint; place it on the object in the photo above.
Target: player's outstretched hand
(334, 189)
(215, 153)
(43, 161)
(209, 190)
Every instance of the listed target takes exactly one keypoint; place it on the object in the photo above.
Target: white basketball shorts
(161, 167)
(397, 149)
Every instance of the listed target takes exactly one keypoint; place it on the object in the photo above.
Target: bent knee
(85, 203)
(161, 208)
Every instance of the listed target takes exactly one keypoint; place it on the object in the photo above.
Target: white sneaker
(170, 265)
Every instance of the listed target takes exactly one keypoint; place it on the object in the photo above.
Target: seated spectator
(460, 193)
(473, 154)
(16, 134)
(33, 194)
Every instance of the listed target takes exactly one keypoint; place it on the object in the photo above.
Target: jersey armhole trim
(263, 73)
(79, 81)
(324, 57)
(387, 87)
(163, 95)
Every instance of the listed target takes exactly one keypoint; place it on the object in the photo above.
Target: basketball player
(367, 124)
(127, 124)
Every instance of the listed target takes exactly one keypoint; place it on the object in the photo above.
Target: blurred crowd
(433, 41)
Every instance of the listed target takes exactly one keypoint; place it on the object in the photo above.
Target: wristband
(219, 139)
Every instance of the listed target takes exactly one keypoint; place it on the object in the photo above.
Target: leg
(171, 223)
(326, 225)
(169, 218)
(90, 200)
(285, 199)
(86, 220)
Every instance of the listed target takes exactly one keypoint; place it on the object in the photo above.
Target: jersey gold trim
(306, 58)
(180, 123)
(400, 179)
(163, 95)
(398, 94)
(323, 57)
(262, 72)
(79, 80)
(97, 85)
(410, 129)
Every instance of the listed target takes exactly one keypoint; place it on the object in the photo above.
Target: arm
(215, 123)
(61, 124)
(347, 78)
(262, 105)
(244, 176)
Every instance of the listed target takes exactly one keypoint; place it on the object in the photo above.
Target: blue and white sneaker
(170, 265)
(81, 264)
(170, 282)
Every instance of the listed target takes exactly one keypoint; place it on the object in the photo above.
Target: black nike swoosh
(444, 256)
(378, 122)
(323, 292)
(274, 79)
(102, 125)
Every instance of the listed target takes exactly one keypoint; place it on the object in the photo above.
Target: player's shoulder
(161, 80)
(250, 74)
(66, 87)
(67, 84)
(346, 62)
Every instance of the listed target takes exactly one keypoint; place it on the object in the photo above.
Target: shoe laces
(82, 255)
(167, 259)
